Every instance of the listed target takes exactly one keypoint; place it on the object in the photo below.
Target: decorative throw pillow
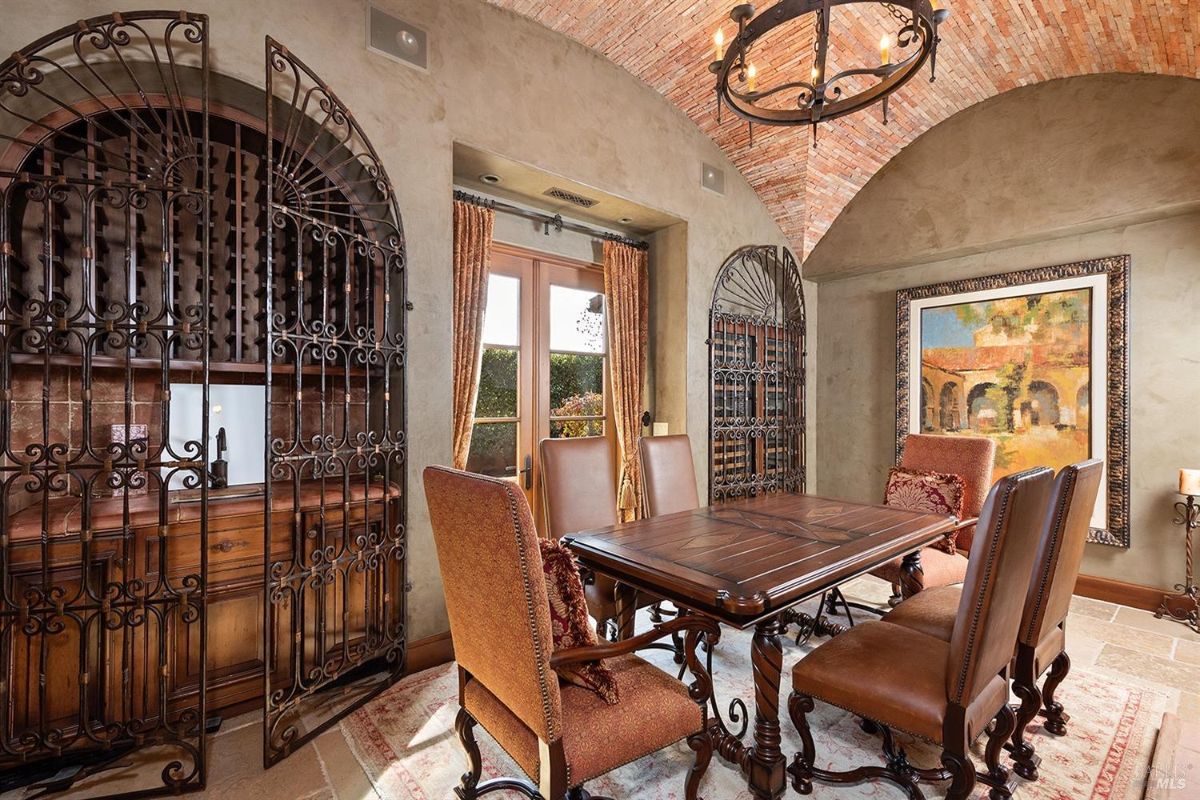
(569, 621)
(936, 492)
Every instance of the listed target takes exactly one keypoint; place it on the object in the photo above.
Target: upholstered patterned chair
(579, 492)
(945, 692)
(1041, 647)
(969, 457)
(560, 735)
(668, 474)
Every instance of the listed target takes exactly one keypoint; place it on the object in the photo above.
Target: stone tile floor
(1128, 644)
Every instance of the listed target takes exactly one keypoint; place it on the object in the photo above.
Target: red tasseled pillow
(569, 621)
(936, 492)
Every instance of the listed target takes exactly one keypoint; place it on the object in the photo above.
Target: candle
(752, 78)
(1189, 482)
(719, 43)
(885, 45)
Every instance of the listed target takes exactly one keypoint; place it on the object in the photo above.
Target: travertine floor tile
(1096, 609)
(345, 775)
(1149, 668)
(1187, 652)
(1123, 635)
(1145, 620)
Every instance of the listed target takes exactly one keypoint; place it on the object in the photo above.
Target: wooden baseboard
(432, 651)
(1133, 595)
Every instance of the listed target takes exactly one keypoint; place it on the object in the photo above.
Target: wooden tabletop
(745, 559)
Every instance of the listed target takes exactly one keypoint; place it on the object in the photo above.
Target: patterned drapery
(626, 293)
(472, 257)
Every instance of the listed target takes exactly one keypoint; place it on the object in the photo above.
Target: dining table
(748, 563)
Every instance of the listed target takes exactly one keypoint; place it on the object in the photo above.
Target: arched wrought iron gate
(335, 346)
(148, 240)
(756, 352)
(104, 282)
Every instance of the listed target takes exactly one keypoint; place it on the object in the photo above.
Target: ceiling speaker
(395, 38)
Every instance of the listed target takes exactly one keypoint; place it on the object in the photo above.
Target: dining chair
(560, 735)
(944, 692)
(579, 492)
(969, 457)
(1041, 646)
(668, 474)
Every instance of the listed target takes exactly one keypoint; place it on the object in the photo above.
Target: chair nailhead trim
(1060, 515)
(973, 631)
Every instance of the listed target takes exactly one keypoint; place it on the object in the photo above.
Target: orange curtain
(626, 293)
(472, 257)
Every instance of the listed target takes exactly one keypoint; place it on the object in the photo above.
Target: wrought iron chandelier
(819, 96)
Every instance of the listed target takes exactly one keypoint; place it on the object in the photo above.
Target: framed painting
(1037, 360)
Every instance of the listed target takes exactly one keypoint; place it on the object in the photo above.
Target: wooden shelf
(179, 365)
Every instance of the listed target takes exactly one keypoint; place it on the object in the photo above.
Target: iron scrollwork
(336, 449)
(104, 204)
(757, 375)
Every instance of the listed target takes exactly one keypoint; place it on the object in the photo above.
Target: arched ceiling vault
(988, 47)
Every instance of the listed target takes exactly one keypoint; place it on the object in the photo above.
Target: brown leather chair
(945, 692)
(1041, 646)
(970, 457)
(579, 492)
(668, 474)
(559, 734)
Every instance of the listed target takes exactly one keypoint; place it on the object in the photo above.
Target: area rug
(405, 742)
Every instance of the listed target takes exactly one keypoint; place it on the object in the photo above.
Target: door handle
(527, 471)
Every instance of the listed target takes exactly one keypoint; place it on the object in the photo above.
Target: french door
(544, 367)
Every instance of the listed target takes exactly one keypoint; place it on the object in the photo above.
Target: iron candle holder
(1184, 606)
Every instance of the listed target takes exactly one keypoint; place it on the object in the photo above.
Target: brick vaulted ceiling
(988, 47)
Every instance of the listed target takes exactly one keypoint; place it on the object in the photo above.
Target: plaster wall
(504, 84)
(990, 196)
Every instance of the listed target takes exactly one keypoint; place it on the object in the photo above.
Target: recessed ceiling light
(488, 177)
(625, 220)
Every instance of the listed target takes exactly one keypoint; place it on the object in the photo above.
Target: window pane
(502, 318)
(576, 385)
(494, 449)
(576, 320)
(497, 383)
(570, 429)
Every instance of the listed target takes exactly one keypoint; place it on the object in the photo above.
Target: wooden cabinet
(123, 667)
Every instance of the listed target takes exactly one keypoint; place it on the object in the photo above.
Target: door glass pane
(576, 320)
(569, 429)
(498, 383)
(502, 317)
(493, 449)
(576, 385)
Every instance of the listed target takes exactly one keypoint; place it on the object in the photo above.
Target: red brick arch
(988, 47)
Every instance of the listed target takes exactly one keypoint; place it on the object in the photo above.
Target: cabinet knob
(223, 547)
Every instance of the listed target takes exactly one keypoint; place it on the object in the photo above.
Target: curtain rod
(548, 221)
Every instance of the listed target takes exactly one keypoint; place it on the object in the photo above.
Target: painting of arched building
(1015, 369)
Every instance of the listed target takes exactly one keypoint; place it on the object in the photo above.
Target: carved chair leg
(1056, 718)
(1024, 758)
(962, 774)
(702, 745)
(801, 770)
(464, 725)
(997, 774)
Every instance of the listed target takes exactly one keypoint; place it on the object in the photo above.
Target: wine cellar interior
(173, 266)
(756, 351)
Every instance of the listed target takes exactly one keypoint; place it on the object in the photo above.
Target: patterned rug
(405, 741)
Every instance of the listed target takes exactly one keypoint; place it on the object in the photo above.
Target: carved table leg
(766, 766)
(912, 576)
(626, 598)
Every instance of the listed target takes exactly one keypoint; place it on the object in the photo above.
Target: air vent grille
(570, 197)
